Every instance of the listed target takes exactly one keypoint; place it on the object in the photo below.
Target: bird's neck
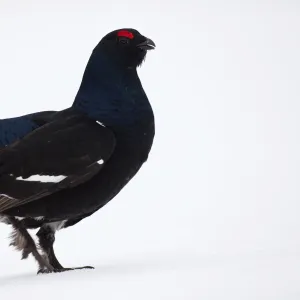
(112, 94)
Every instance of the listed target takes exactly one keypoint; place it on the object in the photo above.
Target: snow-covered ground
(214, 213)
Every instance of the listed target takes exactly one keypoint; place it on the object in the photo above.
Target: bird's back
(12, 129)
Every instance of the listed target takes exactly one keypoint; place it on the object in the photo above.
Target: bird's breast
(135, 139)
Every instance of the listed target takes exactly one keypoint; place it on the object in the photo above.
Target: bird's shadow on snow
(126, 266)
(117, 267)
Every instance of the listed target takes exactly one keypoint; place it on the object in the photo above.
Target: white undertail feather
(43, 178)
(57, 225)
(17, 240)
(4, 219)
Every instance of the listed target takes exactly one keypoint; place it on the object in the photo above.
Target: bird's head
(125, 46)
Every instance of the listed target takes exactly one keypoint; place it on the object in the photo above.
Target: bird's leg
(46, 236)
(23, 241)
(46, 240)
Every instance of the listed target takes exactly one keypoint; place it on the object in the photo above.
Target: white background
(213, 214)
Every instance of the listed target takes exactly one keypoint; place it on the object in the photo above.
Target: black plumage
(111, 121)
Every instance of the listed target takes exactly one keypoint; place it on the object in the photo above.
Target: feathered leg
(46, 236)
(46, 240)
(22, 241)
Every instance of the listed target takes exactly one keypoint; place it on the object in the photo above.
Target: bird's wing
(72, 149)
(12, 129)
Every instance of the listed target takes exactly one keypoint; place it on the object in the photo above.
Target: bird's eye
(123, 40)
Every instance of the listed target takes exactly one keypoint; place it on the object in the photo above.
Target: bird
(87, 152)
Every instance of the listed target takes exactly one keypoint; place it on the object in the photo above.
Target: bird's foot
(59, 270)
(85, 267)
(45, 271)
(71, 269)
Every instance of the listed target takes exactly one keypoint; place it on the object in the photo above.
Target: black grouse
(92, 149)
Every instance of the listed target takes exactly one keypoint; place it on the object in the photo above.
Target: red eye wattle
(125, 33)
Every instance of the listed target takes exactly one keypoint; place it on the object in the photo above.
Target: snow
(165, 278)
(213, 214)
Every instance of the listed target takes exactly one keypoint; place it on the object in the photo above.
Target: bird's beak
(148, 44)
